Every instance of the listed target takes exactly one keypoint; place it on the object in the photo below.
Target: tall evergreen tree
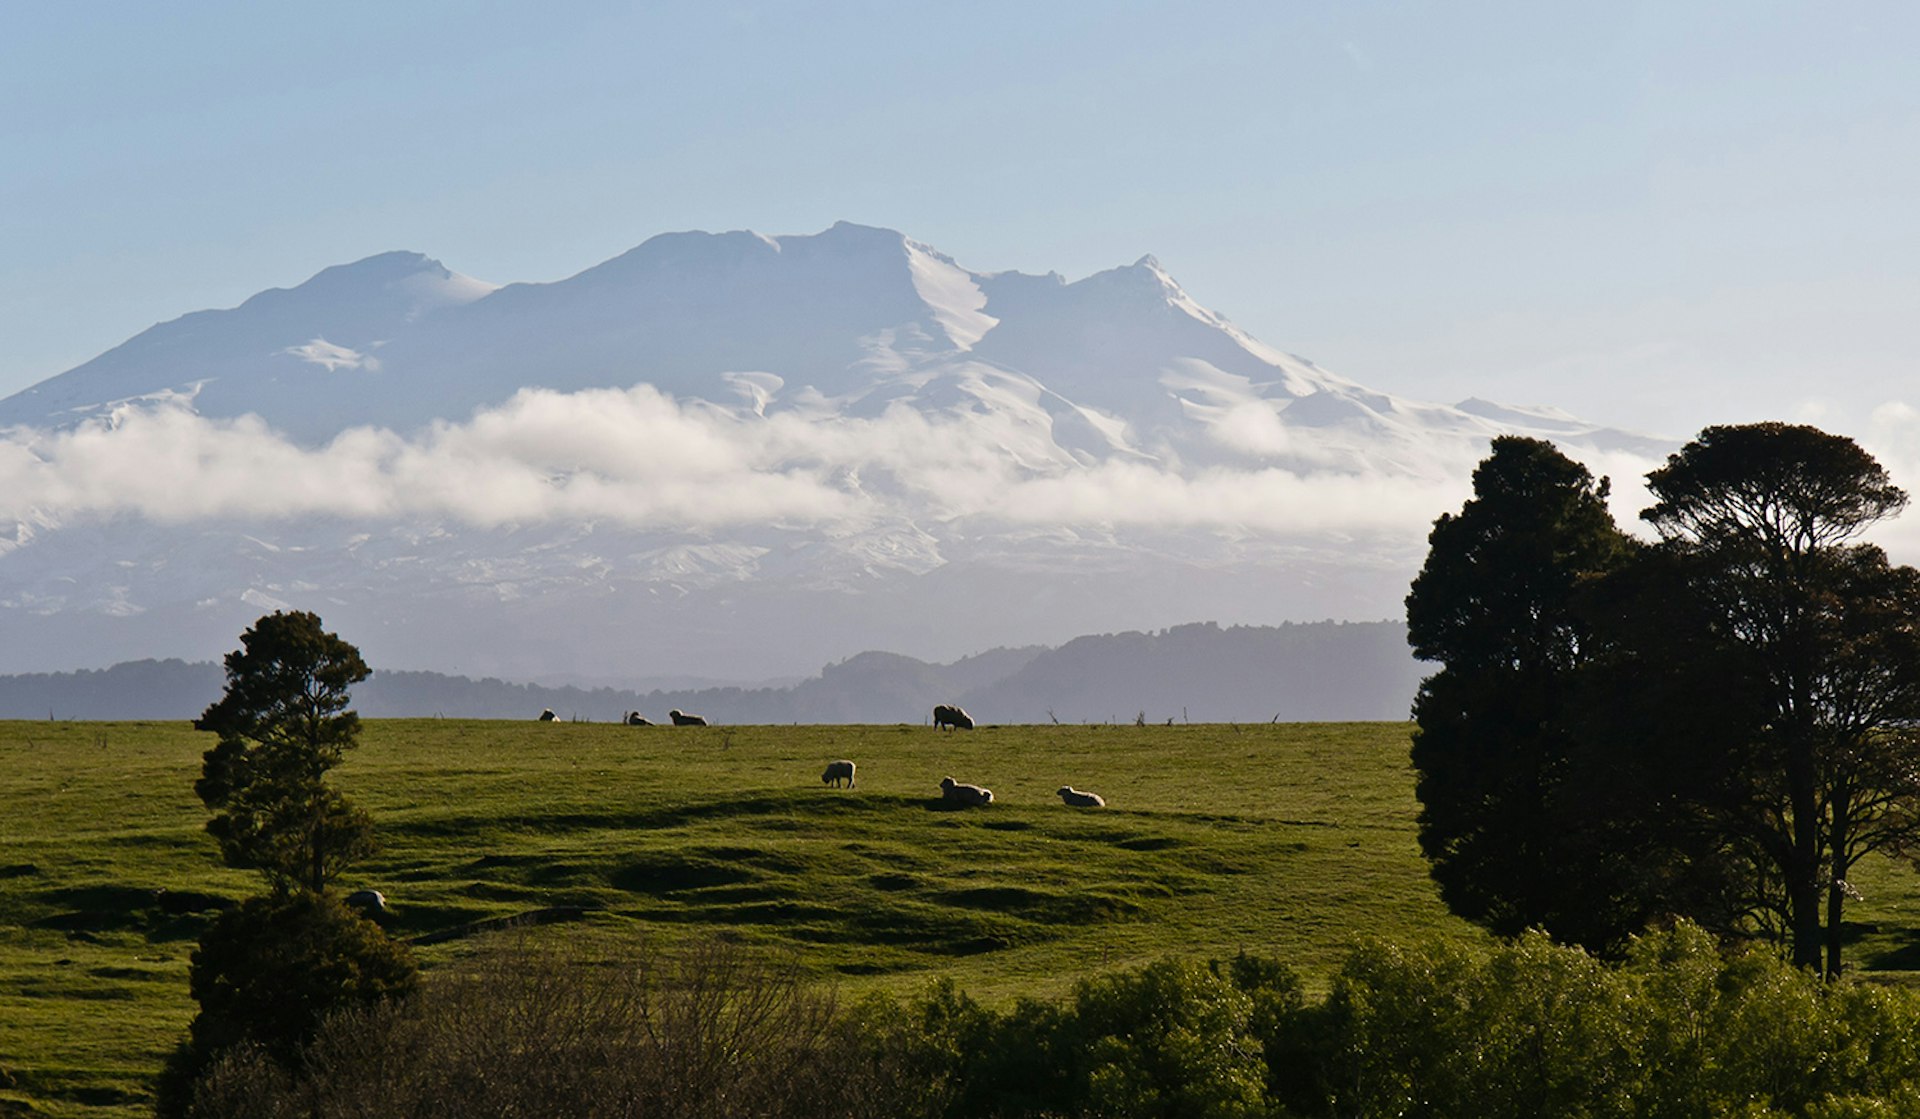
(1494, 605)
(283, 723)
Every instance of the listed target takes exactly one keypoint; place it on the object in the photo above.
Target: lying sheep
(948, 715)
(1077, 799)
(836, 772)
(547, 715)
(682, 719)
(635, 719)
(367, 901)
(965, 795)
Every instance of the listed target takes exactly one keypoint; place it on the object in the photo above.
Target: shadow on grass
(796, 804)
(160, 914)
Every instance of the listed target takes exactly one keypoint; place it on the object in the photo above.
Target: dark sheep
(949, 715)
(635, 719)
(547, 715)
(682, 719)
(836, 772)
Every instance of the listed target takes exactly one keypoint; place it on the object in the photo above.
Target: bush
(1170, 1041)
(537, 1033)
(1681, 1028)
(269, 972)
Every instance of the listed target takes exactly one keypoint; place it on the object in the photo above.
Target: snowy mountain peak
(714, 446)
(415, 281)
(854, 319)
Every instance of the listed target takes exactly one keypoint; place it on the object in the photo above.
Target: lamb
(837, 771)
(966, 796)
(1077, 799)
(547, 715)
(949, 715)
(635, 719)
(682, 719)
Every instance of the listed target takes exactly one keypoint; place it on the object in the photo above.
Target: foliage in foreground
(1528, 1028)
(268, 973)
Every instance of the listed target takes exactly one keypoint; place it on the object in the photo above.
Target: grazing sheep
(367, 901)
(1077, 799)
(836, 772)
(948, 715)
(635, 719)
(682, 719)
(965, 795)
(547, 715)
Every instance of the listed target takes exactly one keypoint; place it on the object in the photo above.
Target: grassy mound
(1293, 840)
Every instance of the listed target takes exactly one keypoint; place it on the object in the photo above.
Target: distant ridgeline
(1302, 672)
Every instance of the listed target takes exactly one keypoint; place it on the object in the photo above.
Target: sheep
(682, 719)
(964, 795)
(950, 715)
(836, 772)
(547, 715)
(1077, 799)
(635, 719)
(367, 901)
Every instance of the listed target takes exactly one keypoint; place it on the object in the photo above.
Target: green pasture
(1290, 840)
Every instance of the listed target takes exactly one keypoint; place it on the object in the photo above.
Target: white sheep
(368, 901)
(547, 715)
(682, 719)
(836, 772)
(1077, 799)
(966, 795)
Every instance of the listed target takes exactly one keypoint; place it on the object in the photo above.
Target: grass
(1291, 840)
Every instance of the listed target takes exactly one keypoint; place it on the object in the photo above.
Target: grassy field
(1292, 840)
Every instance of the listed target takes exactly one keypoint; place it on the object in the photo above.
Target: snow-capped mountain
(777, 450)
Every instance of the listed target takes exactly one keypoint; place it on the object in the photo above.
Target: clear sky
(1655, 215)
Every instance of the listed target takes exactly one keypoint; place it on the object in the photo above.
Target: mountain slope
(715, 454)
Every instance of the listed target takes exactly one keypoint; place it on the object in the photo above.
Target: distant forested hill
(1317, 671)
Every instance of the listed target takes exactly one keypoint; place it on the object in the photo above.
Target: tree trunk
(1836, 891)
(1803, 875)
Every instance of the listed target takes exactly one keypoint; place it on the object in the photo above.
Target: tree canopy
(1822, 632)
(1718, 725)
(283, 723)
(1494, 604)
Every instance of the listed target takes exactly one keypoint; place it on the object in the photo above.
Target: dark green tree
(1494, 605)
(269, 972)
(283, 723)
(1820, 639)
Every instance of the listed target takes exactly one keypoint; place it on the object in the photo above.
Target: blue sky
(1656, 215)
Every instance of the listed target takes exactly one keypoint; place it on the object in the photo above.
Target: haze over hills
(1201, 673)
(728, 455)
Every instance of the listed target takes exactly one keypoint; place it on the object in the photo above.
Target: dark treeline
(1718, 724)
(1202, 672)
(1521, 1030)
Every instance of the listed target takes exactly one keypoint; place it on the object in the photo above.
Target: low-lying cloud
(639, 458)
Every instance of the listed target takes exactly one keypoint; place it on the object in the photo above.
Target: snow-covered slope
(802, 445)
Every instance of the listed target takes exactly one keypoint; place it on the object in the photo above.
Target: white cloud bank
(642, 459)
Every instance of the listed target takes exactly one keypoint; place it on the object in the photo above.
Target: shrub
(538, 1032)
(269, 972)
(1172, 1040)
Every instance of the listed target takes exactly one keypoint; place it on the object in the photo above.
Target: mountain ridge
(713, 449)
(1200, 672)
